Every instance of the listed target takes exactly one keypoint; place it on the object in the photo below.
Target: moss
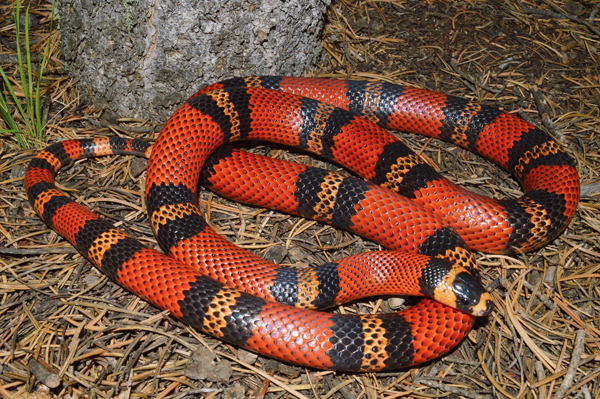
(127, 6)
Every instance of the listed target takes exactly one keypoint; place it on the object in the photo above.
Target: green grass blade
(10, 121)
(30, 109)
(38, 91)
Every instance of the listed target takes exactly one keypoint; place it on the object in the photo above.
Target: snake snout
(471, 297)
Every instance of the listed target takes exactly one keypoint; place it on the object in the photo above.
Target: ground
(538, 58)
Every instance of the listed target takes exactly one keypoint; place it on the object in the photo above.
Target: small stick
(455, 390)
(37, 251)
(559, 15)
(468, 78)
(593, 14)
(539, 369)
(575, 359)
(544, 111)
(271, 367)
(545, 300)
(42, 373)
(14, 59)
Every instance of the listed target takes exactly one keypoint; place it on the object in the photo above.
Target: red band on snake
(191, 281)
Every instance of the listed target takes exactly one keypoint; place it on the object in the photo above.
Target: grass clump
(21, 103)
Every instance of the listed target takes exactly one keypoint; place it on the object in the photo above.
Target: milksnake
(429, 225)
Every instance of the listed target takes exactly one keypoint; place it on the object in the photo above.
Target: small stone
(396, 303)
(203, 365)
(236, 391)
(271, 366)
(112, 362)
(534, 277)
(276, 254)
(573, 7)
(32, 21)
(138, 166)
(296, 254)
(247, 356)
(17, 171)
(289, 371)
(90, 280)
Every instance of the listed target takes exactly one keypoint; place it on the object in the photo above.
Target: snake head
(470, 295)
(456, 286)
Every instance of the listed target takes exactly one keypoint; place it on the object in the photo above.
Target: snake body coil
(222, 290)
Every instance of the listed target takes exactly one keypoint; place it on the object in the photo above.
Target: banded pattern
(546, 172)
(207, 304)
(342, 342)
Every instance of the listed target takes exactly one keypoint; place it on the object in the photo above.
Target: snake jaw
(485, 305)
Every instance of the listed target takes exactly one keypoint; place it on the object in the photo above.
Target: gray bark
(143, 58)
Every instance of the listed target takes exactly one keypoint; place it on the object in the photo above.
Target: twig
(543, 298)
(559, 15)
(458, 391)
(13, 59)
(465, 76)
(43, 374)
(124, 129)
(524, 115)
(575, 359)
(594, 12)
(539, 369)
(271, 368)
(275, 381)
(36, 251)
(590, 189)
(458, 360)
(544, 111)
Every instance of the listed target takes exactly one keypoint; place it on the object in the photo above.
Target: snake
(391, 196)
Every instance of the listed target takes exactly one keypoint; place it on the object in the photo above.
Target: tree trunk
(143, 58)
